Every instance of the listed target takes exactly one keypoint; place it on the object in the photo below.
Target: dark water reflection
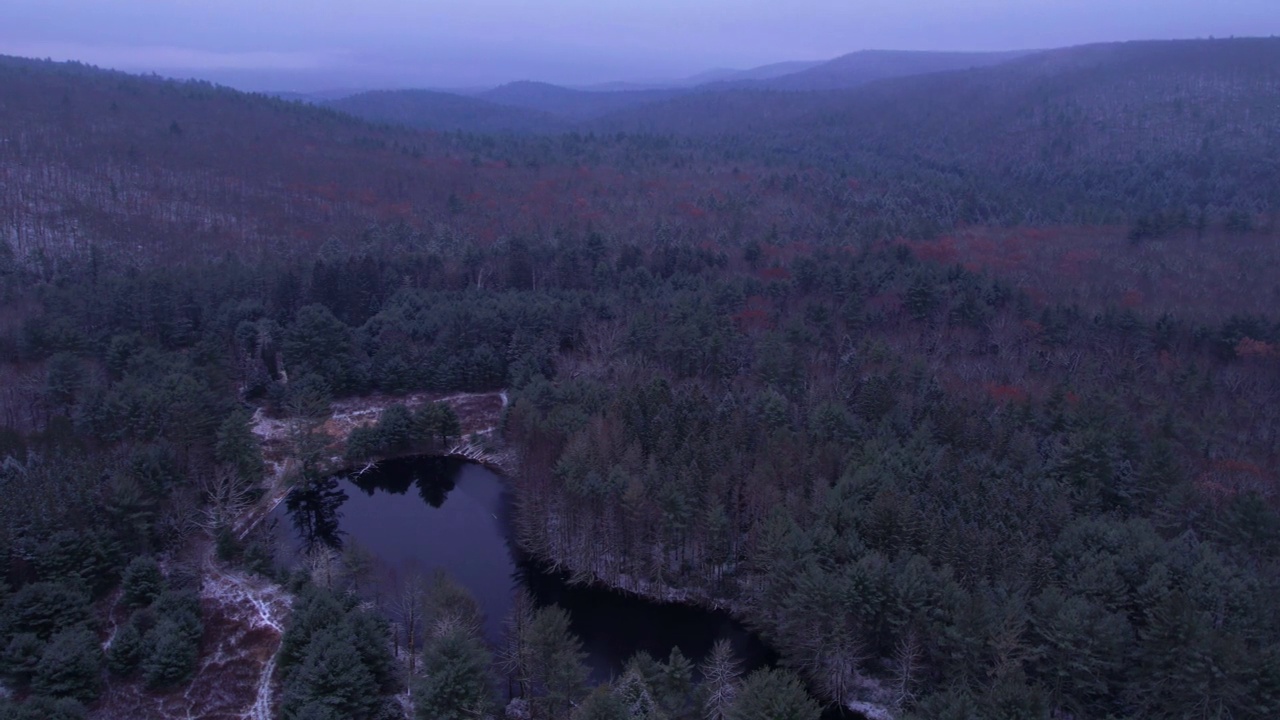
(458, 522)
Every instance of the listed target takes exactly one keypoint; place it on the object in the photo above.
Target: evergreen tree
(317, 710)
(332, 675)
(773, 694)
(456, 678)
(319, 343)
(70, 666)
(556, 662)
(43, 708)
(182, 608)
(90, 558)
(602, 704)
(638, 697)
(238, 447)
(674, 685)
(171, 655)
(142, 582)
(44, 608)
(313, 610)
(921, 297)
(370, 632)
(64, 378)
(21, 659)
(127, 650)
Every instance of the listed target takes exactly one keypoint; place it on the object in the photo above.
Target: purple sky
(318, 44)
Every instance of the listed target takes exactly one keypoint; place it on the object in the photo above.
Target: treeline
(400, 430)
(336, 663)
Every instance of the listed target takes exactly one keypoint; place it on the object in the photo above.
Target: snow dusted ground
(244, 618)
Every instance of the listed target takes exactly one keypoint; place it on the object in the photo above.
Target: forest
(960, 435)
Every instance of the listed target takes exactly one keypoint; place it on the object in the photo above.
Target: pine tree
(456, 682)
(127, 650)
(602, 704)
(70, 666)
(674, 685)
(332, 675)
(556, 661)
(370, 632)
(90, 557)
(921, 297)
(773, 694)
(43, 708)
(142, 582)
(171, 655)
(637, 697)
(238, 447)
(182, 608)
(314, 610)
(317, 710)
(21, 659)
(395, 429)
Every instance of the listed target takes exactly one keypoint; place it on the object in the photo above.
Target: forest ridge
(1091, 135)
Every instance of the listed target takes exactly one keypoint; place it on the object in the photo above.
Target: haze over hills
(574, 105)
(585, 104)
(435, 110)
(866, 66)
(764, 72)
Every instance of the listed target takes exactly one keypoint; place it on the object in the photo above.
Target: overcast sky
(319, 44)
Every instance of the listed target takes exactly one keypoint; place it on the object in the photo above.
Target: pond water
(419, 515)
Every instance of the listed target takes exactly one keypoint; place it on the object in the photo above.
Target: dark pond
(423, 514)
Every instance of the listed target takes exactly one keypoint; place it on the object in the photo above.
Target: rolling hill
(1143, 124)
(572, 105)
(1092, 135)
(143, 170)
(866, 66)
(433, 110)
(587, 104)
(763, 72)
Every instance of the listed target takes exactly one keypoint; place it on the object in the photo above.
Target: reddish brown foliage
(1006, 394)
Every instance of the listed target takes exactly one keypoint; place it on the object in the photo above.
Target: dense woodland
(820, 393)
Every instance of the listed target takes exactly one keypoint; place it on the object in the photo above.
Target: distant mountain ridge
(1097, 135)
(569, 104)
(866, 66)
(713, 75)
(764, 72)
(443, 111)
(579, 105)
(1184, 123)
